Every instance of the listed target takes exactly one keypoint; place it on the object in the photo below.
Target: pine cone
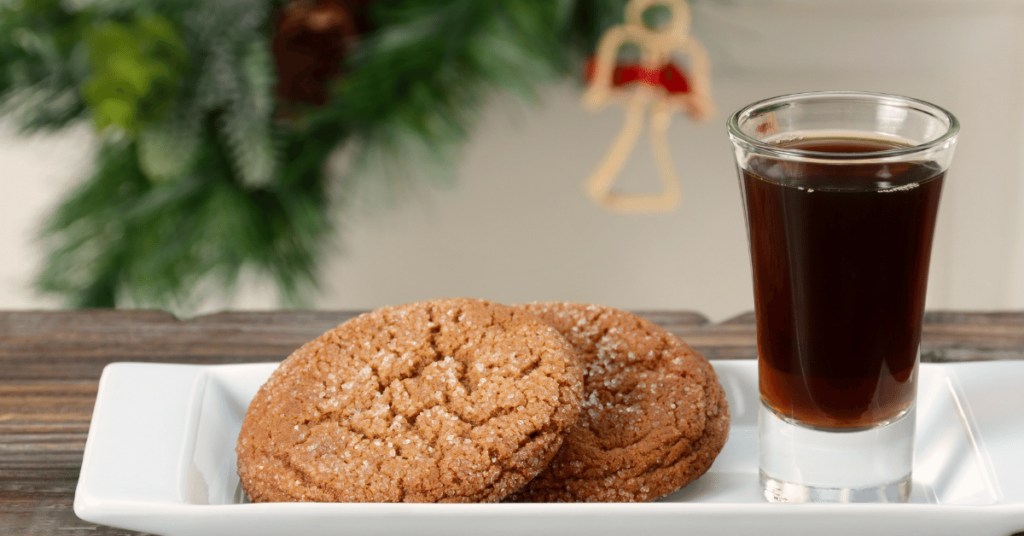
(311, 39)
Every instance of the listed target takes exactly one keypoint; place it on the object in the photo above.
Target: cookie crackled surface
(442, 401)
(654, 415)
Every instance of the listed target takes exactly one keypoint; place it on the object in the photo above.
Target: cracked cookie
(442, 401)
(653, 418)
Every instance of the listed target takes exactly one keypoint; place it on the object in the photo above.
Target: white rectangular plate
(160, 458)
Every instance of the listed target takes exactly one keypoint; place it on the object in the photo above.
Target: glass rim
(737, 134)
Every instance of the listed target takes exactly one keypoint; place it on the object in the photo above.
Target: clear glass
(841, 191)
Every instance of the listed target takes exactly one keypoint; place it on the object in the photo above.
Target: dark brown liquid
(840, 256)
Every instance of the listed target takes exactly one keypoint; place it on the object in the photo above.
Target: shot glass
(840, 191)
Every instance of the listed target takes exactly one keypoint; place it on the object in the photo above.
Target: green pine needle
(120, 239)
(211, 180)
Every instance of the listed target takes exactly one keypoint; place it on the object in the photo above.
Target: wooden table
(50, 364)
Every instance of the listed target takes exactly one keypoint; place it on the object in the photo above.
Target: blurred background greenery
(217, 118)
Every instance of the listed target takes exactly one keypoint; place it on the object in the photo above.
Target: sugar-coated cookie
(653, 418)
(442, 401)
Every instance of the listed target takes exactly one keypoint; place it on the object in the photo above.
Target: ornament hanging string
(654, 90)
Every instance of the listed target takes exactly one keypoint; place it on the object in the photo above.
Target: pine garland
(204, 173)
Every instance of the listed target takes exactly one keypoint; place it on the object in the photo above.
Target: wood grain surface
(50, 364)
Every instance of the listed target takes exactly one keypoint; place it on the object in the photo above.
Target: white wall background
(518, 227)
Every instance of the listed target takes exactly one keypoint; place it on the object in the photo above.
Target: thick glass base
(778, 491)
(802, 464)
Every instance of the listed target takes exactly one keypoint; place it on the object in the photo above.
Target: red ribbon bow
(669, 77)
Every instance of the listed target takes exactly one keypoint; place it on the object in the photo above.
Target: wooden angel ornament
(651, 92)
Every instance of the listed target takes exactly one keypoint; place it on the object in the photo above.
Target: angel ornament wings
(651, 92)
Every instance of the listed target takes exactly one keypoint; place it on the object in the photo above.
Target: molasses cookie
(441, 401)
(653, 418)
